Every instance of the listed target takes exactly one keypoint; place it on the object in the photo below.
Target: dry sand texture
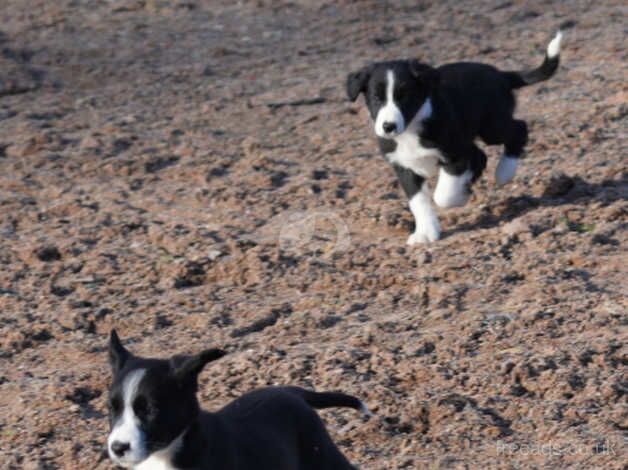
(191, 172)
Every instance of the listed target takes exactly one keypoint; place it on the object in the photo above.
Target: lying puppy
(426, 120)
(157, 423)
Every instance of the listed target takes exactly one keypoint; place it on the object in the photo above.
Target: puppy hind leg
(452, 190)
(455, 178)
(513, 149)
(477, 162)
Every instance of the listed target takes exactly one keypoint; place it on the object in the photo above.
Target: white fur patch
(506, 169)
(389, 113)
(452, 190)
(409, 153)
(427, 228)
(127, 428)
(553, 48)
(425, 111)
(162, 459)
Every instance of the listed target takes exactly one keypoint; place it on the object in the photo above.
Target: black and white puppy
(427, 119)
(157, 423)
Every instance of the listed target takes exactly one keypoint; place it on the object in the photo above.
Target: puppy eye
(115, 405)
(140, 407)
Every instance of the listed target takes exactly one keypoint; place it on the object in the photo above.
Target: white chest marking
(409, 152)
(162, 459)
(154, 462)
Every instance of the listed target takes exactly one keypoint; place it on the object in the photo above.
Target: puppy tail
(320, 400)
(544, 71)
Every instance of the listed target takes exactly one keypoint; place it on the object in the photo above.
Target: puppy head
(151, 401)
(394, 92)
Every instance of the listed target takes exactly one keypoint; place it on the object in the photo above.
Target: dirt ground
(191, 173)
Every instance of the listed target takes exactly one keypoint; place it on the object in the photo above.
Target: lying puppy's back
(260, 419)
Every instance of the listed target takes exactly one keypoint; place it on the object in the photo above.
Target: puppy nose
(389, 127)
(120, 448)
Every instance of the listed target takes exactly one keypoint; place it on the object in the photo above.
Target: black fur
(165, 384)
(409, 180)
(274, 428)
(530, 77)
(415, 81)
(473, 100)
(468, 101)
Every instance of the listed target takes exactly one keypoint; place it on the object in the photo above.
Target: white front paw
(426, 232)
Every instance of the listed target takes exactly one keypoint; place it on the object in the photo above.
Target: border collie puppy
(427, 119)
(157, 423)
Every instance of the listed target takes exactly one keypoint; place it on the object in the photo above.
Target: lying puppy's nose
(120, 448)
(389, 127)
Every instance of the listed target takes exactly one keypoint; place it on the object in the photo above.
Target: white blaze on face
(126, 429)
(389, 114)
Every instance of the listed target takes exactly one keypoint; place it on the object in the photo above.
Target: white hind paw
(452, 190)
(506, 169)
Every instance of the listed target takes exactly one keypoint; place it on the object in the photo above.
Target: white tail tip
(553, 48)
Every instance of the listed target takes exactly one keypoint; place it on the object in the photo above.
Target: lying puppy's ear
(428, 75)
(188, 367)
(356, 82)
(118, 355)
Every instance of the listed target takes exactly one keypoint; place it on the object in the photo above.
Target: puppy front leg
(427, 228)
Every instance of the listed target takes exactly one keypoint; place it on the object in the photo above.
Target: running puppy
(157, 423)
(426, 120)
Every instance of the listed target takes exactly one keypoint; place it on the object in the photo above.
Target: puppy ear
(356, 82)
(428, 75)
(118, 355)
(188, 367)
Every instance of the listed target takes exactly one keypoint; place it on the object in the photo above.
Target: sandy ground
(191, 173)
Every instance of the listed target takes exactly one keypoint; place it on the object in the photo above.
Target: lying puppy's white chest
(409, 153)
(162, 459)
(155, 462)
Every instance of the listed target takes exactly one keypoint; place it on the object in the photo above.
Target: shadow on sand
(562, 190)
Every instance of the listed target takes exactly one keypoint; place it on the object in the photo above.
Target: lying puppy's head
(394, 92)
(151, 401)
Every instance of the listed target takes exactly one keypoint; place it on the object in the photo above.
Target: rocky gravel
(190, 172)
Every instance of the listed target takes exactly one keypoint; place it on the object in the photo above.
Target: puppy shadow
(560, 190)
